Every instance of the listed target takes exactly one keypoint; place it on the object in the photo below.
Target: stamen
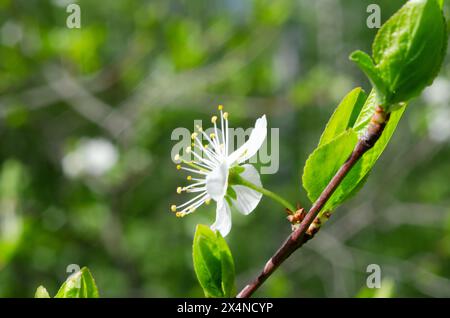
(206, 162)
(222, 128)
(226, 136)
(194, 135)
(213, 119)
(207, 201)
(225, 115)
(212, 142)
(180, 214)
(201, 197)
(194, 171)
(195, 190)
(178, 167)
(189, 178)
(197, 165)
(216, 142)
(189, 187)
(195, 205)
(211, 155)
(179, 190)
(173, 208)
(220, 107)
(212, 135)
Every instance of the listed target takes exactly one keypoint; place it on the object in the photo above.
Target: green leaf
(409, 49)
(213, 263)
(344, 116)
(326, 160)
(357, 175)
(365, 63)
(41, 292)
(79, 285)
(366, 114)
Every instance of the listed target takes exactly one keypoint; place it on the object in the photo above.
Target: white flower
(213, 171)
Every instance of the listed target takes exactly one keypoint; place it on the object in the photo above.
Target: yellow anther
(206, 146)
(207, 201)
(189, 178)
(212, 135)
(179, 190)
(199, 128)
(225, 115)
(220, 107)
(213, 119)
(180, 214)
(194, 135)
(173, 208)
(188, 150)
(178, 167)
(177, 157)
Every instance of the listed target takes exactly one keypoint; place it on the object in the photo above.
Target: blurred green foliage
(138, 69)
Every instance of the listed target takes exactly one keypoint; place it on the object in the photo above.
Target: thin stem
(265, 192)
(301, 235)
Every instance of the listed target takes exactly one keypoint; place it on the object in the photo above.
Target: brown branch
(303, 233)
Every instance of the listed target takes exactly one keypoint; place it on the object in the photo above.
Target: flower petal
(217, 182)
(252, 145)
(247, 199)
(223, 218)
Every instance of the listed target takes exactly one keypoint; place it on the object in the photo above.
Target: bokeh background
(86, 117)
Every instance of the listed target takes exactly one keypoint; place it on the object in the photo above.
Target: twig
(303, 233)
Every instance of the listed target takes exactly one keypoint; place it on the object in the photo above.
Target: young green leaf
(344, 116)
(213, 263)
(408, 52)
(409, 49)
(365, 63)
(361, 169)
(79, 285)
(325, 161)
(41, 292)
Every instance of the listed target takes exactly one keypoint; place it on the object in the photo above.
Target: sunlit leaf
(41, 292)
(213, 263)
(344, 116)
(326, 160)
(408, 52)
(79, 285)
